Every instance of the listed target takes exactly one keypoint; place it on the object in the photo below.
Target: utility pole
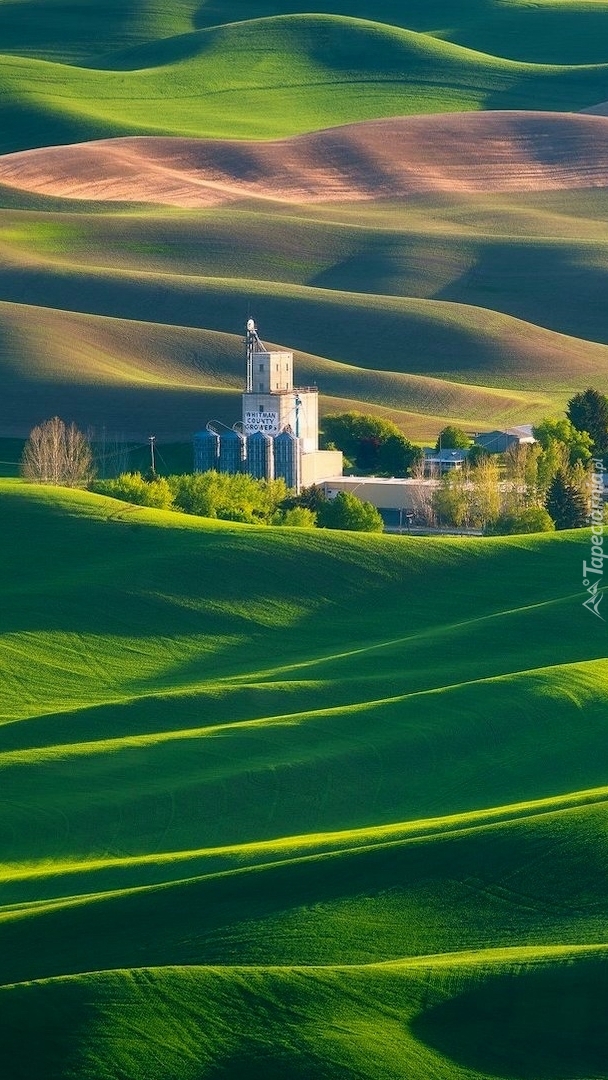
(103, 452)
(152, 461)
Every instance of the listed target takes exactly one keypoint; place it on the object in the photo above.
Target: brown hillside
(465, 153)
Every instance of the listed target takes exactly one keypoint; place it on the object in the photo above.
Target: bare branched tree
(57, 454)
(427, 475)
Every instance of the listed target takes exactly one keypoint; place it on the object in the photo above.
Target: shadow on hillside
(125, 412)
(54, 31)
(415, 15)
(546, 1023)
(559, 288)
(554, 90)
(172, 50)
(26, 126)
(42, 1030)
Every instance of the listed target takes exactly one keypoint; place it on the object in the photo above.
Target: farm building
(496, 442)
(278, 436)
(441, 461)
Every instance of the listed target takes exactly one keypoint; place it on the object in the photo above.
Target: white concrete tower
(271, 403)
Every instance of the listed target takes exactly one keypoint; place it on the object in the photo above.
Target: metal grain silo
(260, 456)
(206, 451)
(232, 452)
(287, 459)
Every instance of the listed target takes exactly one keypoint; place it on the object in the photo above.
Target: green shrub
(532, 520)
(346, 511)
(297, 516)
(236, 497)
(131, 487)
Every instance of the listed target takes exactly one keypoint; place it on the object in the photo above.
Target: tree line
(56, 453)
(530, 488)
(239, 497)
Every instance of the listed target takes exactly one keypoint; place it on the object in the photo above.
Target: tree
(346, 511)
(57, 454)
(563, 430)
(520, 488)
(396, 454)
(484, 481)
(476, 453)
(371, 443)
(237, 497)
(423, 492)
(553, 459)
(565, 502)
(232, 497)
(452, 438)
(580, 476)
(451, 499)
(311, 498)
(589, 412)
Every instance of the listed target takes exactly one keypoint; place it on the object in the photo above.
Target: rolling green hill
(554, 31)
(126, 375)
(480, 309)
(275, 77)
(292, 804)
(378, 311)
(549, 31)
(198, 775)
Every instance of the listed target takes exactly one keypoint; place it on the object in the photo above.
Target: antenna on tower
(251, 340)
(253, 345)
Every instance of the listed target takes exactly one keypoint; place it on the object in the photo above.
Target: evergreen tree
(566, 503)
(589, 412)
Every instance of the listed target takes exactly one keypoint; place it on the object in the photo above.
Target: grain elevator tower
(280, 426)
(271, 403)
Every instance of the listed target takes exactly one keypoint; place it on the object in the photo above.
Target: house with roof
(497, 442)
(437, 462)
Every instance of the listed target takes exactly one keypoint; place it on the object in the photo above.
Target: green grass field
(546, 32)
(267, 78)
(243, 828)
(468, 321)
(288, 804)
(482, 310)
